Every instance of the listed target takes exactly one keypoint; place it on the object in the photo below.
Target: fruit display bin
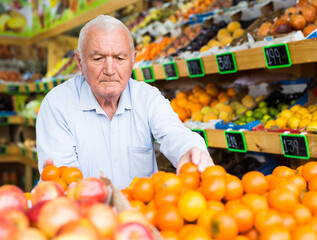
(248, 126)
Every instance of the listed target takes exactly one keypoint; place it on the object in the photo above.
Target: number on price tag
(4, 121)
(170, 70)
(195, 67)
(226, 63)
(236, 141)
(13, 89)
(277, 56)
(202, 133)
(148, 74)
(295, 146)
(3, 150)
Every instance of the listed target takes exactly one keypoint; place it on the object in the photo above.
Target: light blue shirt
(73, 130)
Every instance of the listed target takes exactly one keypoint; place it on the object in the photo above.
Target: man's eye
(120, 58)
(97, 59)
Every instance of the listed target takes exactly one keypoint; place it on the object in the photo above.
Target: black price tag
(34, 155)
(23, 152)
(27, 89)
(133, 75)
(3, 150)
(4, 121)
(38, 87)
(236, 141)
(170, 70)
(195, 67)
(226, 63)
(202, 133)
(148, 74)
(13, 89)
(277, 56)
(295, 146)
(55, 83)
(46, 88)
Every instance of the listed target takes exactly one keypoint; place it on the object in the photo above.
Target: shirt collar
(88, 101)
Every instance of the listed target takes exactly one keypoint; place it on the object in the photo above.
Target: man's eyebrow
(93, 53)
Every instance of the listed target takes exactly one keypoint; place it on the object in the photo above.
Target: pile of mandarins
(81, 213)
(217, 205)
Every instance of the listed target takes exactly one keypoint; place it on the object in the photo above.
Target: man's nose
(109, 68)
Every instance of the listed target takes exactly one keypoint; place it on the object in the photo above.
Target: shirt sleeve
(174, 138)
(53, 137)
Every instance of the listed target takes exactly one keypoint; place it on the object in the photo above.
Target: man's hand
(197, 156)
(48, 162)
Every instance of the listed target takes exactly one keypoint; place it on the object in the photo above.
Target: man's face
(106, 62)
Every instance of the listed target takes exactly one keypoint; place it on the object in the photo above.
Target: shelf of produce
(301, 52)
(257, 141)
(17, 120)
(106, 8)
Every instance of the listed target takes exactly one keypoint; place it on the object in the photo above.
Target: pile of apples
(78, 214)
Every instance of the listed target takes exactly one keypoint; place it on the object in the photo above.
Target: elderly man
(104, 121)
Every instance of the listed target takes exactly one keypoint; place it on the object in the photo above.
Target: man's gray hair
(108, 24)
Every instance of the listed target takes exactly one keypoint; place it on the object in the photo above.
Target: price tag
(195, 67)
(4, 121)
(236, 141)
(202, 133)
(3, 150)
(23, 152)
(133, 75)
(226, 63)
(34, 155)
(170, 70)
(27, 122)
(277, 56)
(13, 89)
(38, 87)
(55, 83)
(148, 74)
(46, 88)
(295, 146)
(27, 89)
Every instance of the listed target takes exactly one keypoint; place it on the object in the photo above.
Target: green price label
(133, 75)
(295, 146)
(23, 152)
(201, 133)
(277, 56)
(170, 70)
(4, 121)
(46, 88)
(27, 89)
(27, 122)
(148, 74)
(3, 150)
(38, 87)
(226, 63)
(13, 89)
(34, 155)
(195, 67)
(55, 83)
(236, 141)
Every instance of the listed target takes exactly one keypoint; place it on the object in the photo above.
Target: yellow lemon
(307, 116)
(302, 110)
(293, 122)
(304, 123)
(281, 122)
(269, 124)
(312, 108)
(197, 116)
(210, 116)
(286, 113)
(295, 108)
(233, 26)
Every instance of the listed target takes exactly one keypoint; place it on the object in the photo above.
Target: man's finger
(48, 162)
(195, 155)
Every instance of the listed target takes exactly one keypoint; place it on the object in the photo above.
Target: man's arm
(54, 138)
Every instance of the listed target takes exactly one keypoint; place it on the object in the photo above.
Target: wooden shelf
(19, 120)
(301, 52)
(257, 141)
(106, 8)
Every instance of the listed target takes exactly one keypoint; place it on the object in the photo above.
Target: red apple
(18, 218)
(30, 233)
(133, 230)
(12, 197)
(46, 191)
(81, 226)
(33, 212)
(104, 219)
(91, 190)
(55, 213)
(7, 229)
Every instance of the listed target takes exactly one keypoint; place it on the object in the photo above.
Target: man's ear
(78, 61)
(134, 59)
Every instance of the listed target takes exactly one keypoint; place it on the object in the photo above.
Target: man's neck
(110, 106)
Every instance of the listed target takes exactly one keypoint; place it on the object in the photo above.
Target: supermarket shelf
(257, 141)
(106, 8)
(14, 154)
(17, 120)
(304, 51)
